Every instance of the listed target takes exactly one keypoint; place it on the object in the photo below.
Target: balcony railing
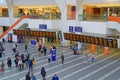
(92, 18)
(38, 16)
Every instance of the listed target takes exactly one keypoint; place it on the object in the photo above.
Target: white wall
(94, 27)
(4, 21)
(35, 23)
(33, 2)
(72, 2)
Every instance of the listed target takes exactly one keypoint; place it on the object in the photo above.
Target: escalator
(12, 26)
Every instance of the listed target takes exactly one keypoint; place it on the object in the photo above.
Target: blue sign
(53, 55)
(70, 28)
(34, 42)
(42, 26)
(78, 29)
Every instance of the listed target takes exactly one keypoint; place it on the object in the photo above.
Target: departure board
(115, 43)
(65, 36)
(92, 40)
(40, 33)
(96, 40)
(71, 37)
(105, 42)
(81, 38)
(77, 38)
(88, 39)
(54, 34)
(68, 36)
(84, 38)
(100, 41)
(110, 42)
(44, 34)
(37, 33)
(74, 37)
(34, 34)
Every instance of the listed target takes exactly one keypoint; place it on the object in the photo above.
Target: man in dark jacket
(55, 77)
(62, 58)
(27, 76)
(43, 73)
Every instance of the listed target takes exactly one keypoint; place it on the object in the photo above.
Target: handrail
(12, 26)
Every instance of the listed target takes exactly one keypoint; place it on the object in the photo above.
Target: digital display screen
(100, 41)
(96, 40)
(71, 36)
(110, 42)
(74, 37)
(77, 38)
(40, 34)
(65, 35)
(81, 38)
(92, 40)
(105, 42)
(115, 43)
(88, 39)
(84, 38)
(68, 36)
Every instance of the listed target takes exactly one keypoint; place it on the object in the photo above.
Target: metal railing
(92, 18)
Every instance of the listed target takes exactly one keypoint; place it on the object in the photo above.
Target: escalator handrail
(12, 26)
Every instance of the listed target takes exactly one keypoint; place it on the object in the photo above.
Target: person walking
(26, 48)
(55, 77)
(62, 58)
(2, 66)
(27, 76)
(33, 77)
(9, 62)
(43, 73)
(87, 59)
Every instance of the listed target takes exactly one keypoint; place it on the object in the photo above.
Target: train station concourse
(59, 40)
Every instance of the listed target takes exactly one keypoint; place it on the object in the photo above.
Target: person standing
(44, 50)
(2, 66)
(62, 58)
(43, 73)
(26, 48)
(55, 77)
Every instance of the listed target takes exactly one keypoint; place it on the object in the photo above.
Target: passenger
(9, 62)
(20, 64)
(49, 60)
(44, 50)
(26, 48)
(62, 58)
(92, 58)
(43, 73)
(33, 77)
(87, 59)
(27, 76)
(51, 47)
(2, 66)
(39, 50)
(55, 77)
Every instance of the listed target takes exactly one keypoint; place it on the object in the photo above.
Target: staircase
(12, 26)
